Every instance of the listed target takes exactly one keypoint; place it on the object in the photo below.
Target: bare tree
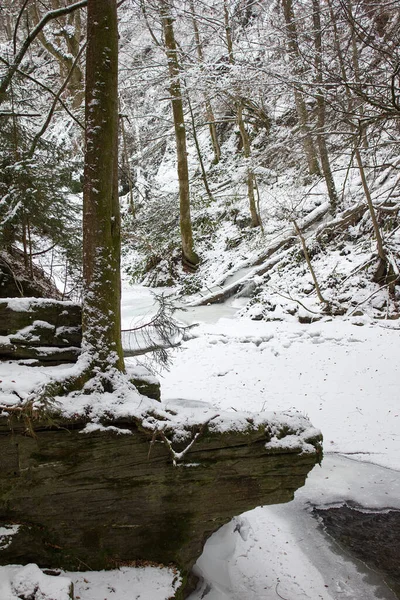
(208, 105)
(239, 104)
(189, 257)
(302, 113)
(19, 56)
(321, 108)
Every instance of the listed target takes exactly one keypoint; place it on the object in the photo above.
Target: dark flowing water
(372, 537)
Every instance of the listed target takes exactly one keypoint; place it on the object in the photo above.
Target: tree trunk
(375, 224)
(309, 263)
(126, 166)
(101, 319)
(198, 149)
(255, 219)
(189, 258)
(384, 269)
(209, 110)
(302, 113)
(321, 140)
(228, 33)
(356, 68)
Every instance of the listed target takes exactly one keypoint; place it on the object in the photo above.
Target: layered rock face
(101, 499)
(47, 331)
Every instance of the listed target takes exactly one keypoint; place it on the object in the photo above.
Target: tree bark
(198, 149)
(209, 110)
(255, 218)
(228, 33)
(250, 179)
(321, 106)
(309, 263)
(302, 113)
(101, 319)
(189, 258)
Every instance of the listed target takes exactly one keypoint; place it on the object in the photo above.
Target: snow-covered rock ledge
(40, 330)
(85, 496)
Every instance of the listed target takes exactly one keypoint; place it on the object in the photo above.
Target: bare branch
(52, 14)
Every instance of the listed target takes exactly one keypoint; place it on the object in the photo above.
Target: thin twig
(176, 456)
(277, 593)
(297, 302)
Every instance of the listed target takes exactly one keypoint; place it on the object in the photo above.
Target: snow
(25, 304)
(6, 534)
(343, 374)
(283, 549)
(126, 583)
(340, 373)
(30, 582)
(91, 427)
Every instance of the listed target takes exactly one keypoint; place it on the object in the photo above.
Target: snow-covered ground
(342, 374)
(126, 583)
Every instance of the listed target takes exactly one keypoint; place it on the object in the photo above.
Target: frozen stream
(282, 549)
(138, 303)
(345, 378)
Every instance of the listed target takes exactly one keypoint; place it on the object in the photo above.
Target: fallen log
(265, 261)
(268, 259)
(348, 218)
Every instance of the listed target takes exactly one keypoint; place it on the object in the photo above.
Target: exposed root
(29, 411)
(190, 264)
(41, 404)
(386, 273)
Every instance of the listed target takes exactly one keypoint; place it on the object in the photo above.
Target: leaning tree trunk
(198, 149)
(101, 318)
(190, 259)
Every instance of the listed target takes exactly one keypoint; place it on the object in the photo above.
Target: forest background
(250, 133)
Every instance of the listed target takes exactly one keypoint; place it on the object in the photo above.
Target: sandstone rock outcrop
(45, 330)
(101, 499)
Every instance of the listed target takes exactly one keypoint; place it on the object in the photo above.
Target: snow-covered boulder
(30, 583)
